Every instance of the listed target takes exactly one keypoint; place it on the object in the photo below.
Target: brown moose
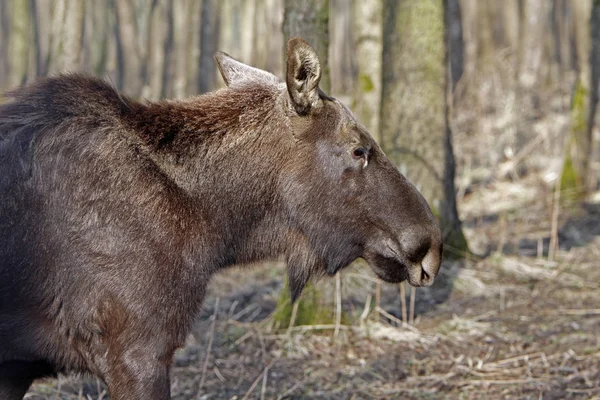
(114, 214)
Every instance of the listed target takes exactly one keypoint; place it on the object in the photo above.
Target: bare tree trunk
(589, 177)
(275, 64)
(73, 35)
(19, 42)
(55, 52)
(534, 32)
(37, 50)
(98, 37)
(576, 172)
(414, 122)
(309, 19)
(260, 35)
(208, 41)
(182, 19)
(193, 52)
(168, 47)
(368, 44)
(129, 57)
(4, 41)
(455, 43)
(341, 50)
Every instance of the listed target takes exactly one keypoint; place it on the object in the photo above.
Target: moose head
(342, 197)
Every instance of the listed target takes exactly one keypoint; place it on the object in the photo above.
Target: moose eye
(360, 152)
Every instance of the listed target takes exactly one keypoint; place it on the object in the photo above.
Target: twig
(521, 155)
(554, 228)
(495, 382)
(338, 305)
(290, 390)
(378, 296)
(293, 317)
(367, 308)
(58, 383)
(314, 328)
(413, 295)
(255, 383)
(503, 230)
(243, 338)
(590, 311)
(403, 302)
(210, 342)
(263, 390)
(401, 323)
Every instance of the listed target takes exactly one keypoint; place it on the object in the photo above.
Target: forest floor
(509, 325)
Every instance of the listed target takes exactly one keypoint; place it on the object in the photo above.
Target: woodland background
(489, 107)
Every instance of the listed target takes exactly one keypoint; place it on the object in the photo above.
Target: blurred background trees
(469, 86)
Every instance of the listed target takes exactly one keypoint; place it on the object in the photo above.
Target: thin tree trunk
(576, 172)
(193, 52)
(182, 19)
(455, 42)
(414, 113)
(98, 37)
(73, 35)
(309, 19)
(19, 42)
(4, 41)
(208, 41)
(168, 47)
(129, 58)
(590, 181)
(37, 48)
(368, 44)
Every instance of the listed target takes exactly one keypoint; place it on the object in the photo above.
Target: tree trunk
(19, 42)
(341, 49)
(4, 41)
(208, 41)
(182, 19)
(129, 57)
(309, 19)
(98, 37)
(38, 66)
(575, 179)
(368, 45)
(73, 35)
(414, 121)
(456, 45)
(168, 48)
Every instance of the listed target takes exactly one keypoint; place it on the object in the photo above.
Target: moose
(115, 213)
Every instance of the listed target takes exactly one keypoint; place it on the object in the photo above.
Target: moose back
(114, 213)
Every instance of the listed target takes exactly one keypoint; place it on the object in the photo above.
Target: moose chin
(115, 213)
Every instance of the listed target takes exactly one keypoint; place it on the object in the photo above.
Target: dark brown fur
(114, 214)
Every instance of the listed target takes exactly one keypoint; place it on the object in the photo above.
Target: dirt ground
(509, 325)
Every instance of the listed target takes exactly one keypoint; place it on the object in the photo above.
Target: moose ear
(302, 75)
(235, 72)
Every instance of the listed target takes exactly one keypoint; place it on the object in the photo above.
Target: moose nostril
(419, 253)
(424, 275)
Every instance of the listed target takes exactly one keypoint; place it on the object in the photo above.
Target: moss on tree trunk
(308, 19)
(415, 127)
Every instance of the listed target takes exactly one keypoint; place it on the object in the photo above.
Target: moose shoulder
(114, 214)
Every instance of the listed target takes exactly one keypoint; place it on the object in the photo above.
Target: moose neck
(221, 150)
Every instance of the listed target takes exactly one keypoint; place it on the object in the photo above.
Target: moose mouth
(393, 268)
